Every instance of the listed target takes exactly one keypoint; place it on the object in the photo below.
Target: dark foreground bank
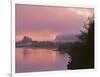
(82, 51)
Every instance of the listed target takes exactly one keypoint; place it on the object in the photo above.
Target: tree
(83, 51)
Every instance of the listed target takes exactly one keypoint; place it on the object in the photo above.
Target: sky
(44, 23)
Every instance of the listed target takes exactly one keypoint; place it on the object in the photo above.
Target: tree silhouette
(82, 52)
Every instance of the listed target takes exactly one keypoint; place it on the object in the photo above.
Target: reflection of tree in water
(26, 52)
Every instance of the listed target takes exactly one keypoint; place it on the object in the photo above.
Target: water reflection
(39, 59)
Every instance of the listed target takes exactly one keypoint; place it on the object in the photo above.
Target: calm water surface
(39, 59)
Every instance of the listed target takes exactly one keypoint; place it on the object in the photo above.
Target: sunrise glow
(39, 36)
(45, 23)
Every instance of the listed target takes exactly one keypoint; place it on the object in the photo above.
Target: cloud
(82, 11)
(49, 20)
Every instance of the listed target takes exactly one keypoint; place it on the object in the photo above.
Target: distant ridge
(26, 41)
(66, 38)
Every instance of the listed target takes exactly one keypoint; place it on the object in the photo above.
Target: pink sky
(43, 23)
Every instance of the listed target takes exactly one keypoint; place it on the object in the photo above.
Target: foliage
(82, 52)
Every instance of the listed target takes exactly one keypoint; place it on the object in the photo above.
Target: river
(40, 59)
